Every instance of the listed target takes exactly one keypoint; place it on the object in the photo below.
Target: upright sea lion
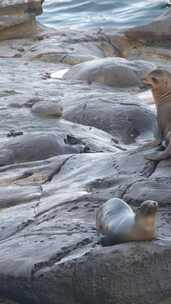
(118, 223)
(160, 82)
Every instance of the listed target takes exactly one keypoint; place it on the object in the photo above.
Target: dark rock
(13, 133)
(6, 301)
(32, 147)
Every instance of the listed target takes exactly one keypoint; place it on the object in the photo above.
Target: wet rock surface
(56, 170)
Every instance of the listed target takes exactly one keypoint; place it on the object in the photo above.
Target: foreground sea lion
(117, 222)
(160, 82)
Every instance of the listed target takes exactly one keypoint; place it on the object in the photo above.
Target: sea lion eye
(154, 79)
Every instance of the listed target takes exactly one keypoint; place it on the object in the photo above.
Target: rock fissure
(61, 255)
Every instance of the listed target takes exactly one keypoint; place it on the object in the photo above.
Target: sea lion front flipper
(157, 141)
(153, 156)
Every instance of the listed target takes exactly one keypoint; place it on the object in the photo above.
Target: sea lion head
(146, 217)
(160, 82)
(148, 207)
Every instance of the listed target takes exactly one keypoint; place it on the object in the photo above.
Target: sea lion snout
(155, 203)
(159, 80)
(146, 81)
(149, 207)
(150, 80)
(146, 219)
(152, 203)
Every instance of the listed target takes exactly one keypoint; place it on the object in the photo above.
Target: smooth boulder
(47, 109)
(116, 72)
(118, 114)
(32, 147)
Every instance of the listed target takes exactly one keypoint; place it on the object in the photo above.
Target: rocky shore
(69, 144)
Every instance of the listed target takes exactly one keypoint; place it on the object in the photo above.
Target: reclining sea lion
(117, 222)
(160, 82)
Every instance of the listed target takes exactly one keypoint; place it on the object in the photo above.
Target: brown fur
(146, 218)
(160, 82)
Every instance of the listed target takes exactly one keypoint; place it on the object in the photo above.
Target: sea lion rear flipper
(149, 144)
(107, 241)
(156, 141)
(160, 155)
(152, 144)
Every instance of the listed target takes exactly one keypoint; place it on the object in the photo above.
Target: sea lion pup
(160, 82)
(117, 222)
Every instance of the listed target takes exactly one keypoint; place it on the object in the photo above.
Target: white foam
(147, 97)
(59, 74)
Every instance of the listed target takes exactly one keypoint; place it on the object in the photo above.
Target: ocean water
(99, 13)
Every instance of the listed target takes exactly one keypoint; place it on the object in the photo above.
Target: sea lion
(117, 222)
(160, 82)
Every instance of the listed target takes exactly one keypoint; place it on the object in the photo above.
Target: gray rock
(73, 59)
(16, 195)
(116, 72)
(63, 57)
(118, 114)
(60, 228)
(68, 50)
(159, 30)
(49, 250)
(32, 147)
(47, 109)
